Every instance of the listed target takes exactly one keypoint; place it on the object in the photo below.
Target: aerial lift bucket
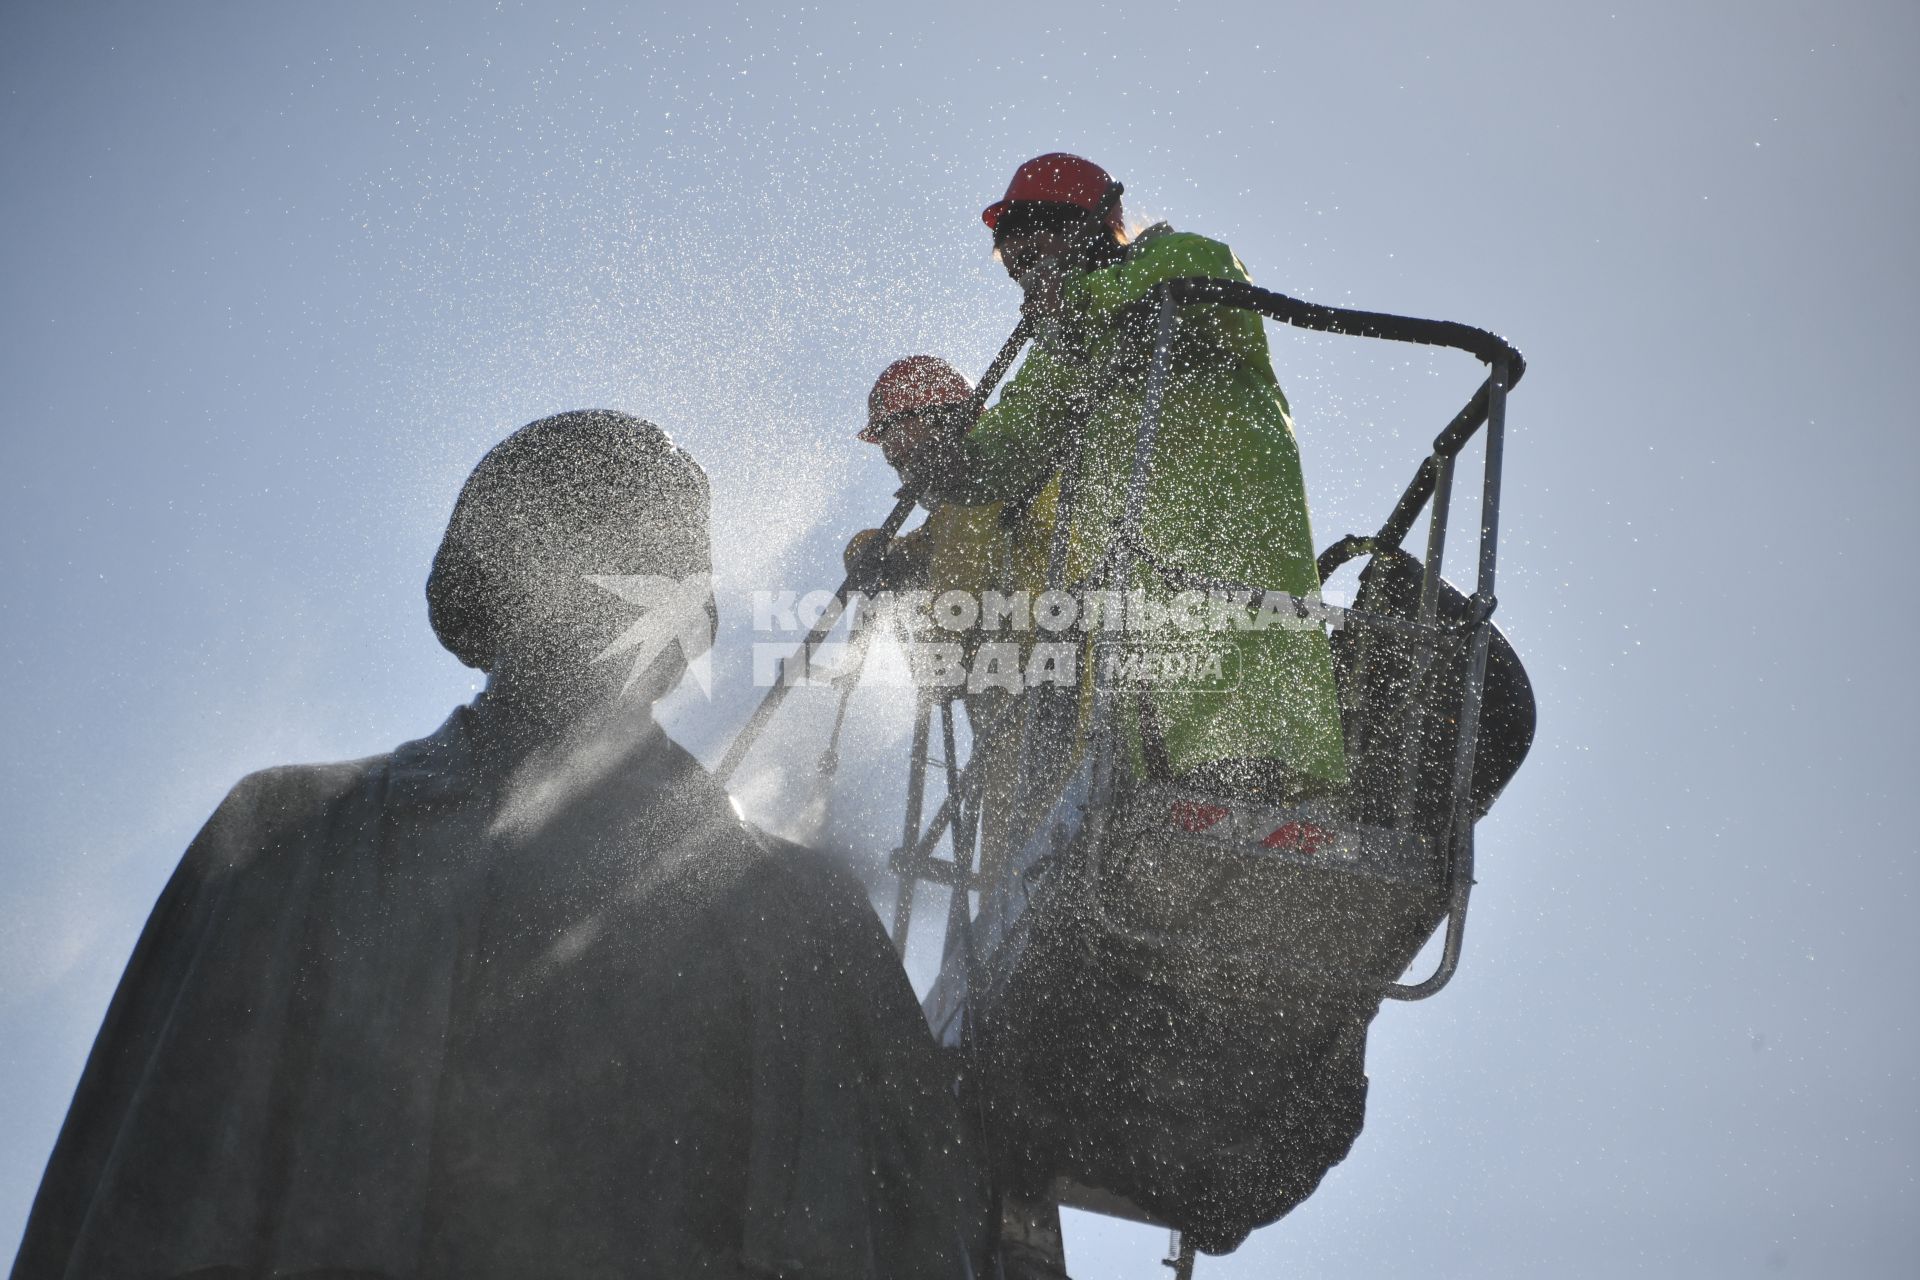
(1165, 993)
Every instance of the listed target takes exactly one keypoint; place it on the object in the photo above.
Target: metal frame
(1433, 480)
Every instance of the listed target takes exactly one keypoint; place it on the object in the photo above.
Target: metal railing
(1432, 483)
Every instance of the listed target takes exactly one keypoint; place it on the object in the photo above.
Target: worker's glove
(873, 562)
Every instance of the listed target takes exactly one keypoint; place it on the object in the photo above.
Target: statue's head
(562, 539)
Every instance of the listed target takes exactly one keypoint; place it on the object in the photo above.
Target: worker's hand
(869, 566)
(1037, 262)
(863, 548)
(1043, 295)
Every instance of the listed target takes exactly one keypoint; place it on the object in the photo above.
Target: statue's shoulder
(784, 856)
(294, 795)
(808, 880)
(291, 787)
(269, 806)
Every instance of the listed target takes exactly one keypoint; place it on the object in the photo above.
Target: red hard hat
(1059, 178)
(910, 385)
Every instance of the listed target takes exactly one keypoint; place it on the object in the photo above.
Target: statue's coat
(383, 1022)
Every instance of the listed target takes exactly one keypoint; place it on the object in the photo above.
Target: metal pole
(910, 828)
(1437, 536)
(1001, 363)
(1459, 830)
(1132, 516)
(1490, 492)
(1037, 700)
(1460, 842)
(859, 641)
(959, 913)
(1406, 800)
(783, 683)
(1181, 1263)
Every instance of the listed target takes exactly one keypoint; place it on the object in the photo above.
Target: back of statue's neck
(512, 723)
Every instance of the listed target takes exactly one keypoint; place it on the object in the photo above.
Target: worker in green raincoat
(1226, 502)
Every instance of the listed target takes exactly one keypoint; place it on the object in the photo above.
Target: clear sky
(275, 276)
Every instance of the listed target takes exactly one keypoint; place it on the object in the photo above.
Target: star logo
(672, 611)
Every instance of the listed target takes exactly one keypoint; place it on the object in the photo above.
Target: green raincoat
(1226, 502)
